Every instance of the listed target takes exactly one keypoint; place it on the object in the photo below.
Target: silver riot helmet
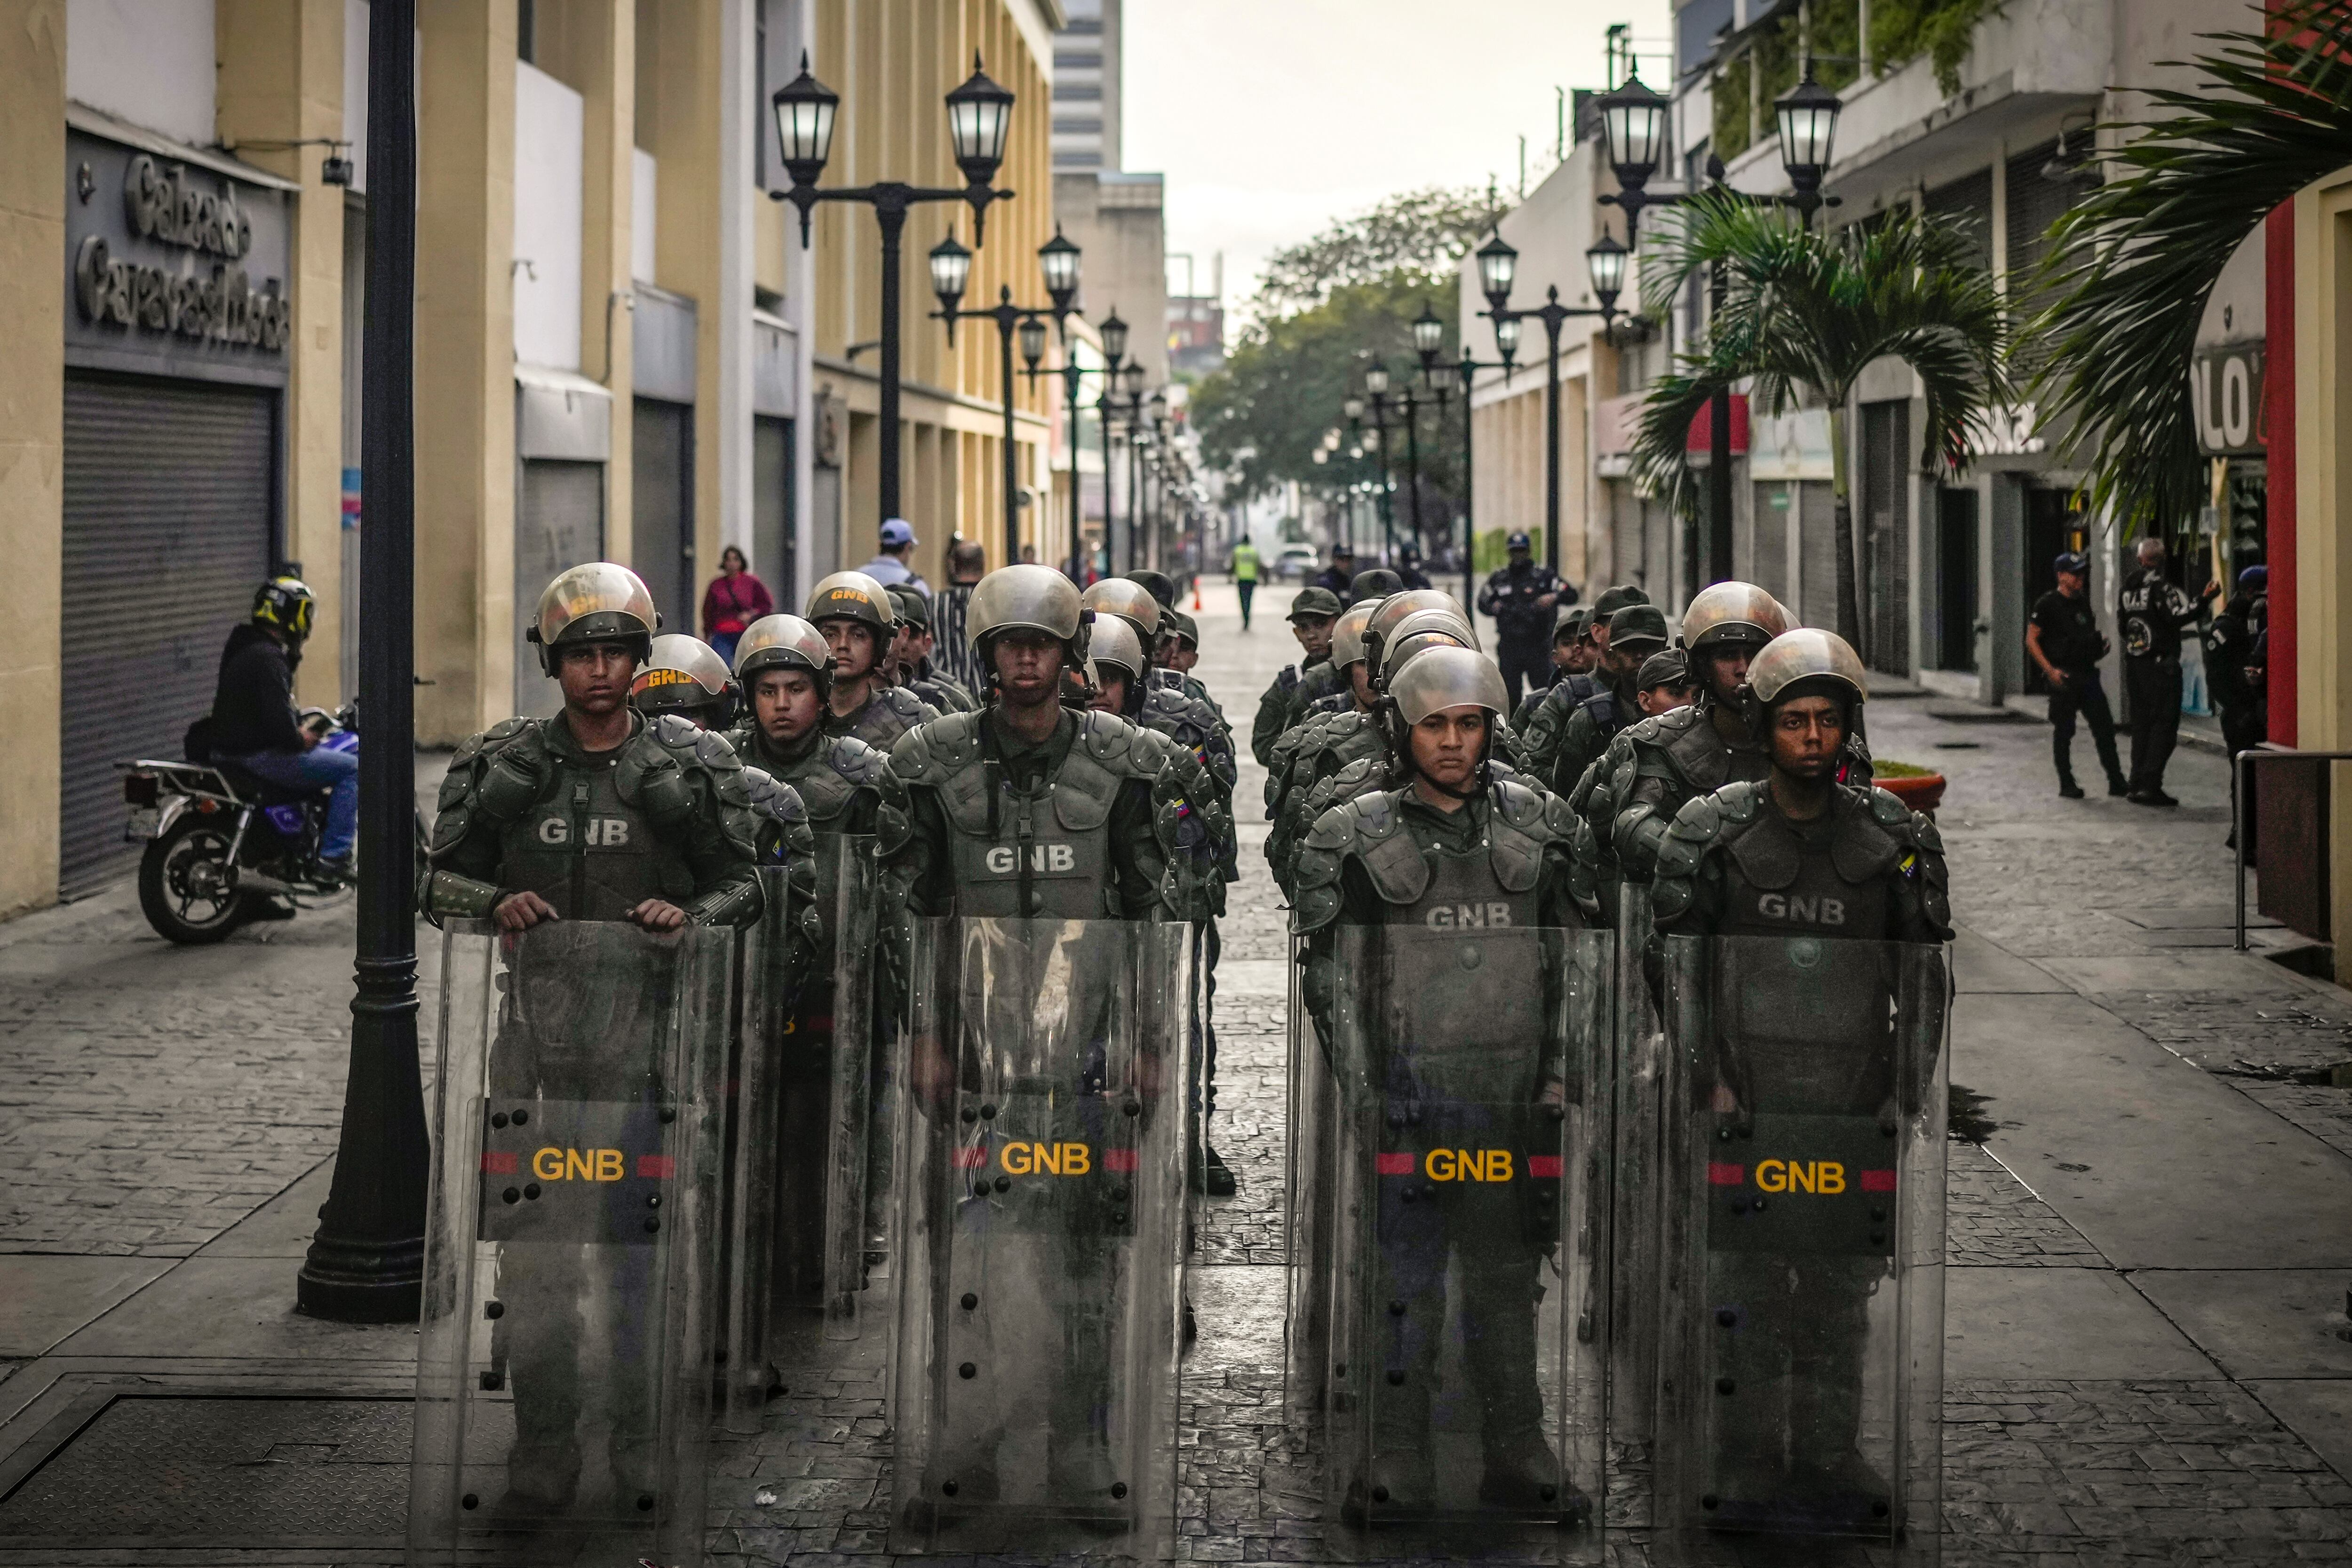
(1738, 613)
(1112, 647)
(1422, 628)
(1028, 597)
(685, 676)
(855, 596)
(1348, 633)
(1413, 602)
(599, 602)
(1808, 662)
(1436, 678)
(783, 642)
(1130, 601)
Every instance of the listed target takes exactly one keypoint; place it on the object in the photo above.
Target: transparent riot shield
(1636, 1122)
(1465, 1377)
(1800, 1357)
(1309, 1189)
(564, 1365)
(1041, 1240)
(764, 985)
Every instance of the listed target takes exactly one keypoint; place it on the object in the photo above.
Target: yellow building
(623, 350)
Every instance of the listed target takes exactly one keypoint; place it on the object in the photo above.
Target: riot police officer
(1572, 654)
(685, 676)
(1522, 596)
(597, 814)
(1452, 839)
(1635, 633)
(860, 621)
(1030, 817)
(1312, 613)
(1539, 735)
(1807, 1054)
(910, 654)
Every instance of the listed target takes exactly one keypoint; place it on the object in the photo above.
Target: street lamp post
(1058, 259)
(1032, 349)
(980, 114)
(1464, 373)
(366, 1264)
(1632, 117)
(1117, 412)
(1373, 438)
(1499, 265)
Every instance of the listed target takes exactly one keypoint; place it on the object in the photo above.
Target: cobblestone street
(2148, 1354)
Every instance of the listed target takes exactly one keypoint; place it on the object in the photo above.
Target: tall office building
(1085, 87)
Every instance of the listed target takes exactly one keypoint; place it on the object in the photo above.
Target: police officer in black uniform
(2236, 648)
(2152, 612)
(1522, 596)
(1335, 577)
(598, 814)
(2065, 639)
(1451, 838)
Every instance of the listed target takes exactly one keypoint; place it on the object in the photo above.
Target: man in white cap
(890, 565)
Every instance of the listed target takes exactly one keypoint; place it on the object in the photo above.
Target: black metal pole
(1718, 451)
(366, 1264)
(1551, 441)
(1070, 377)
(1388, 501)
(1012, 467)
(1413, 466)
(893, 218)
(1134, 492)
(1469, 492)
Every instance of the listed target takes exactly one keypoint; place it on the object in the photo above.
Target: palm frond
(2133, 264)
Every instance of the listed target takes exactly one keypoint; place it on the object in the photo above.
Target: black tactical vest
(1042, 855)
(586, 851)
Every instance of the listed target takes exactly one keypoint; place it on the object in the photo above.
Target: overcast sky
(1272, 117)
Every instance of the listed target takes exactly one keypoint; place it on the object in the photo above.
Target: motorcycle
(223, 846)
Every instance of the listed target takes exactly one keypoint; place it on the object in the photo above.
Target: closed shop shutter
(773, 513)
(1817, 554)
(1774, 510)
(1625, 535)
(661, 528)
(1885, 586)
(559, 523)
(170, 496)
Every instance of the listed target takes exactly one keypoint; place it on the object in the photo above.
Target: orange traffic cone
(1196, 592)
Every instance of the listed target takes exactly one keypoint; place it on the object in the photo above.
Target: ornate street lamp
(980, 117)
(1633, 122)
(1808, 119)
(1057, 260)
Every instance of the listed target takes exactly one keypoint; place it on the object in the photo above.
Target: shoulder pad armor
(1890, 811)
(929, 753)
(1923, 833)
(1740, 803)
(908, 706)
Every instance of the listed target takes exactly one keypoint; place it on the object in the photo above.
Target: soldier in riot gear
(910, 654)
(1452, 839)
(1029, 813)
(685, 676)
(1131, 601)
(1572, 654)
(1539, 736)
(1312, 613)
(1328, 685)
(1802, 1046)
(598, 814)
(850, 792)
(860, 622)
(1349, 658)
(1635, 633)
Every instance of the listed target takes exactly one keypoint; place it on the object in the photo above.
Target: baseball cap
(1637, 623)
(1181, 624)
(2070, 561)
(1671, 668)
(1518, 540)
(1613, 599)
(912, 606)
(1343, 551)
(896, 531)
(1314, 602)
(1376, 583)
(2255, 579)
(1572, 625)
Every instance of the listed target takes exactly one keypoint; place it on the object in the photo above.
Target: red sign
(1702, 428)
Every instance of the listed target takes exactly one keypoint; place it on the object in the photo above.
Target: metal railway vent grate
(162, 1470)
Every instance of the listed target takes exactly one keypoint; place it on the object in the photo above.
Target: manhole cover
(213, 1469)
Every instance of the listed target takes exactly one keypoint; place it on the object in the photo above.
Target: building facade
(624, 351)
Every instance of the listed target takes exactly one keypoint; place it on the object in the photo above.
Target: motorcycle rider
(860, 621)
(1312, 613)
(597, 814)
(910, 654)
(1027, 810)
(253, 723)
(1799, 857)
(1451, 838)
(1521, 596)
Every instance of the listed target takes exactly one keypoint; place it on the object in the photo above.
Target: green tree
(1420, 232)
(1807, 311)
(2134, 263)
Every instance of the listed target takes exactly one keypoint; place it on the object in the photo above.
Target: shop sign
(173, 260)
(2225, 392)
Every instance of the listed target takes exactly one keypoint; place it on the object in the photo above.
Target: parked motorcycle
(223, 846)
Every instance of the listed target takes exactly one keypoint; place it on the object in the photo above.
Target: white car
(1296, 563)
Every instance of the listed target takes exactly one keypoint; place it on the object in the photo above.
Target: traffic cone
(1196, 592)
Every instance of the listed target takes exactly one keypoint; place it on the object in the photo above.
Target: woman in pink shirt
(732, 602)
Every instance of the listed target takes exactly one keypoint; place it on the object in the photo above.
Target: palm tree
(2133, 264)
(1806, 310)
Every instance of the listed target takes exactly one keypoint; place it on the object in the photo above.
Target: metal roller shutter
(559, 523)
(169, 500)
(661, 529)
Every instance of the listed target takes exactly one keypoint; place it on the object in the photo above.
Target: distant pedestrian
(890, 565)
(967, 563)
(2152, 611)
(2063, 637)
(2236, 644)
(732, 602)
(1246, 565)
(1523, 598)
(1338, 575)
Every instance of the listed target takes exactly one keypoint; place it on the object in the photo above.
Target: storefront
(177, 323)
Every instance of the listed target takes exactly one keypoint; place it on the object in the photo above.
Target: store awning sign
(2225, 390)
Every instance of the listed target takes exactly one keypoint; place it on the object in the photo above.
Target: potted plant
(1921, 789)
